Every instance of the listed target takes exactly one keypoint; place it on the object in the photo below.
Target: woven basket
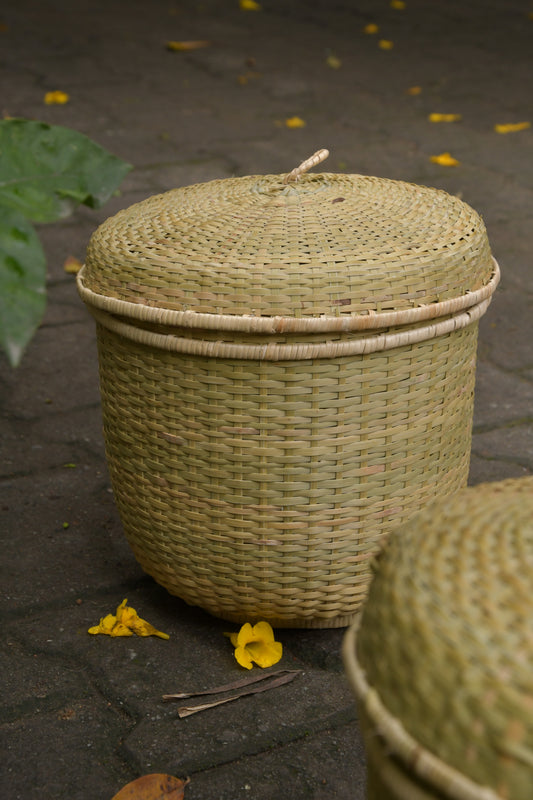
(287, 372)
(441, 659)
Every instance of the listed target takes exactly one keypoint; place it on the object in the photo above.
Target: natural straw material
(328, 245)
(440, 660)
(287, 373)
(305, 166)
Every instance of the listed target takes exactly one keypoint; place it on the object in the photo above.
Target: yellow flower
(385, 44)
(129, 617)
(126, 622)
(186, 46)
(398, 4)
(294, 122)
(56, 98)
(333, 62)
(111, 627)
(444, 117)
(512, 127)
(371, 28)
(249, 5)
(256, 644)
(72, 265)
(445, 160)
(413, 90)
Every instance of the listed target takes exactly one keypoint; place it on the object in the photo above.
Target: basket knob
(310, 162)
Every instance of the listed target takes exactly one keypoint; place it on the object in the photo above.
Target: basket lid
(314, 245)
(446, 636)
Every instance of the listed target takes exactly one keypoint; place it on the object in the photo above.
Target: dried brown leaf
(186, 711)
(153, 787)
(228, 687)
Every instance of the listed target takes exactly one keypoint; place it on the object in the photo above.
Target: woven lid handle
(312, 161)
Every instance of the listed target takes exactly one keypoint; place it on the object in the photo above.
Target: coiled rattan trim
(251, 324)
(289, 352)
(399, 742)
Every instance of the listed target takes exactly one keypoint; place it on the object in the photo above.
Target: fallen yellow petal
(125, 613)
(414, 90)
(119, 629)
(249, 5)
(398, 4)
(256, 645)
(129, 617)
(295, 122)
(385, 44)
(512, 127)
(185, 46)
(264, 655)
(56, 98)
(444, 117)
(233, 637)
(333, 62)
(143, 628)
(126, 622)
(371, 28)
(445, 160)
(72, 265)
(248, 76)
(107, 625)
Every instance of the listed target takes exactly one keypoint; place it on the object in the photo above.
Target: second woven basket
(440, 661)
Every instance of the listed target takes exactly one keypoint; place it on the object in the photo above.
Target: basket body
(439, 660)
(287, 374)
(261, 490)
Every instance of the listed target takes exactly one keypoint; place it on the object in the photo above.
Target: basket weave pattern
(450, 607)
(333, 245)
(259, 489)
(287, 373)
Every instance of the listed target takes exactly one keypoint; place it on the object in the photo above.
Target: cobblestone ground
(81, 716)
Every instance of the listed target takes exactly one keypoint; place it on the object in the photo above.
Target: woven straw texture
(330, 245)
(440, 661)
(259, 459)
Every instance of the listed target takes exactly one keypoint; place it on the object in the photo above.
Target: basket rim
(399, 742)
(247, 323)
(297, 351)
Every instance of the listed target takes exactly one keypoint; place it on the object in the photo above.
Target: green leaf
(47, 170)
(22, 283)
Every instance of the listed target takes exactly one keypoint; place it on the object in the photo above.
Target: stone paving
(81, 716)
